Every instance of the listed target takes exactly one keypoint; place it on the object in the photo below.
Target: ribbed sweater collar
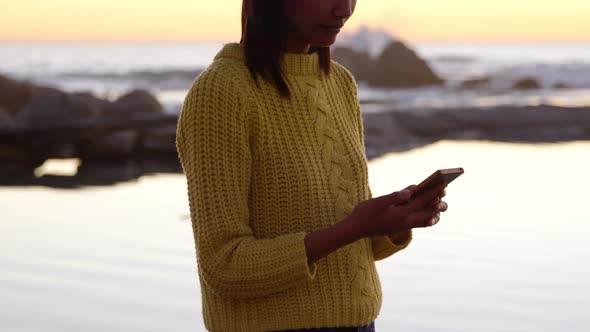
(293, 63)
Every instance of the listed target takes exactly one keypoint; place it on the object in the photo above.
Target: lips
(332, 28)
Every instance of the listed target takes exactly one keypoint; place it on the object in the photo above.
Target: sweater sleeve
(383, 246)
(214, 150)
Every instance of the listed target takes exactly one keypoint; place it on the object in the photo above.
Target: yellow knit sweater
(262, 172)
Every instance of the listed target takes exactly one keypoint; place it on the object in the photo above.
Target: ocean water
(167, 70)
(510, 254)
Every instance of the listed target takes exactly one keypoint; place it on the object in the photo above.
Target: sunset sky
(218, 20)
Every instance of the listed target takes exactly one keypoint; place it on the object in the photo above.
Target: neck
(297, 46)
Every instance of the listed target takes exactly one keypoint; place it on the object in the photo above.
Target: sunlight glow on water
(509, 255)
(61, 167)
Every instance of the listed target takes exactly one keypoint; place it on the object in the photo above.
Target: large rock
(14, 95)
(49, 107)
(46, 107)
(400, 66)
(358, 63)
(397, 66)
(6, 119)
(527, 83)
(121, 144)
(137, 101)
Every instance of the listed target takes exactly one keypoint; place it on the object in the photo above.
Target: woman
(271, 141)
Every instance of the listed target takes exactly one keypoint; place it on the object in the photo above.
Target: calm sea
(510, 254)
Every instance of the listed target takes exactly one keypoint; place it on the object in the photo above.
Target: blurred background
(95, 231)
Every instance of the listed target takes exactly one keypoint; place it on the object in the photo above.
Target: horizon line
(224, 41)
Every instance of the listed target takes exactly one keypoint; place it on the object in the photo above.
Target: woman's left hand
(439, 206)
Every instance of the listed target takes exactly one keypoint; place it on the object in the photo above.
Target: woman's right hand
(383, 215)
(393, 213)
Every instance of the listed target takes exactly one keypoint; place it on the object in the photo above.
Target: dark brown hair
(264, 32)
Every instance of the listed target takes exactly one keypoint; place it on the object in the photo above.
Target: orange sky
(218, 20)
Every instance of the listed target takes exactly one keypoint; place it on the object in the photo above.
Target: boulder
(6, 119)
(14, 95)
(357, 62)
(137, 101)
(527, 83)
(49, 107)
(400, 66)
(397, 66)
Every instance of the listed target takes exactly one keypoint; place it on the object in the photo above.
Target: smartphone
(439, 177)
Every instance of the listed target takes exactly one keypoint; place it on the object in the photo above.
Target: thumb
(411, 187)
(394, 198)
(403, 196)
(399, 197)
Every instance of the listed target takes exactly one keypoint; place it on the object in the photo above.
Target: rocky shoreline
(384, 133)
(400, 130)
(116, 140)
(124, 139)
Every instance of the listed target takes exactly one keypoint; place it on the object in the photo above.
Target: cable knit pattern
(335, 162)
(263, 171)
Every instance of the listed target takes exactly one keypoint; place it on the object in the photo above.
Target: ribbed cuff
(383, 246)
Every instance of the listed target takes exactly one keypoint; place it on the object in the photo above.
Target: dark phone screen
(436, 179)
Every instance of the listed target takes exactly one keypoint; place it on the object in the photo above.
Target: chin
(324, 41)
